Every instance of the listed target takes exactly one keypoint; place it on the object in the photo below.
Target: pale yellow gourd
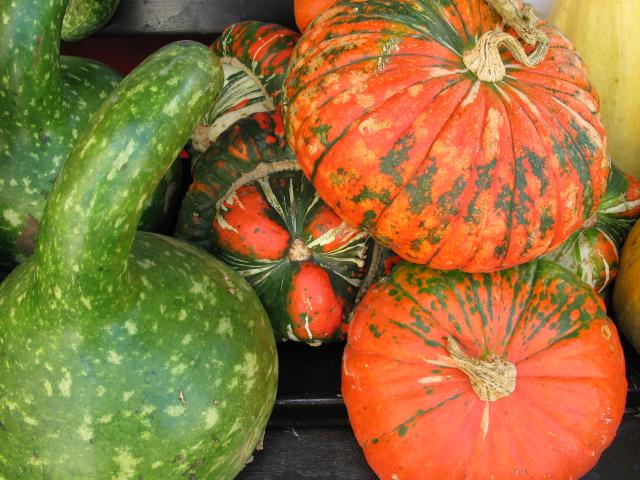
(606, 34)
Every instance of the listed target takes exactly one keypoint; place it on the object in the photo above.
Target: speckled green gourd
(129, 355)
(46, 102)
(85, 17)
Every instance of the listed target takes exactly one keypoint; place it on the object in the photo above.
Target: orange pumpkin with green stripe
(450, 168)
(520, 370)
(251, 205)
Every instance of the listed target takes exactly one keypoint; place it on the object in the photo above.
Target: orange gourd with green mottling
(517, 374)
(450, 168)
(306, 10)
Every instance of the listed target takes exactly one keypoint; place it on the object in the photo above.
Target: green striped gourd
(131, 355)
(254, 57)
(594, 252)
(46, 101)
(85, 17)
(251, 205)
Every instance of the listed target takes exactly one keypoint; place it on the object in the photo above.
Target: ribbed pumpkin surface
(414, 412)
(404, 142)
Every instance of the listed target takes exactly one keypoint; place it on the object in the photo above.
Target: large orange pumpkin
(511, 375)
(405, 142)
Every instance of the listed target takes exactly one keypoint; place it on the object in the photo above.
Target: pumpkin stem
(299, 252)
(492, 379)
(372, 273)
(484, 59)
(263, 170)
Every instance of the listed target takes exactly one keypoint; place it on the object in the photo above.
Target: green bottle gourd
(84, 17)
(46, 102)
(122, 354)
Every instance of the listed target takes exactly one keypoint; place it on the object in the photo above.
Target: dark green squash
(85, 17)
(46, 101)
(129, 355)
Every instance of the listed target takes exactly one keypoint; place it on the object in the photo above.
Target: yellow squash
(607, 36)
(626, 294)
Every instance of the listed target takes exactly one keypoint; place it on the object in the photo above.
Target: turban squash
(447, 167)
(250, 204)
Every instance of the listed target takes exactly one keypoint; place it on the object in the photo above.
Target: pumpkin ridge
(557, 238)
(299, 89)
(405, 361)
(569, 111)
(577, 326)
(520, 194)
(522, 76)
(414, 301)
(557, 181)
(419, 413)
(397, 141)
(356, 122)
(513, 326)
(502, 250)
(591, 203)
(423, 25)
(471, 190)
(559, 421)
(557, 98)
(427, 156)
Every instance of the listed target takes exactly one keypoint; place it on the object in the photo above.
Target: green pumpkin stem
(91, 217)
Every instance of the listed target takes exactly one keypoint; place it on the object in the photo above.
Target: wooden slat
(188, 17)
(331, 453)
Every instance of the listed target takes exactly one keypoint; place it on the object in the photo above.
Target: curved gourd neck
(30, 57)
(90, 220)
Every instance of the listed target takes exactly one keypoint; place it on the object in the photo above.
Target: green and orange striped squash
(305, 263)
(515, 374)
(250, 204)
(254, 57)
(594, 252)
(406, 143)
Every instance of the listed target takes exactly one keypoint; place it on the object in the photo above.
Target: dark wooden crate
(309, 437)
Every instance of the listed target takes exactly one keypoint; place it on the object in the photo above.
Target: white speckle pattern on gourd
(140, 384)
(84, 17)
(46, 102)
